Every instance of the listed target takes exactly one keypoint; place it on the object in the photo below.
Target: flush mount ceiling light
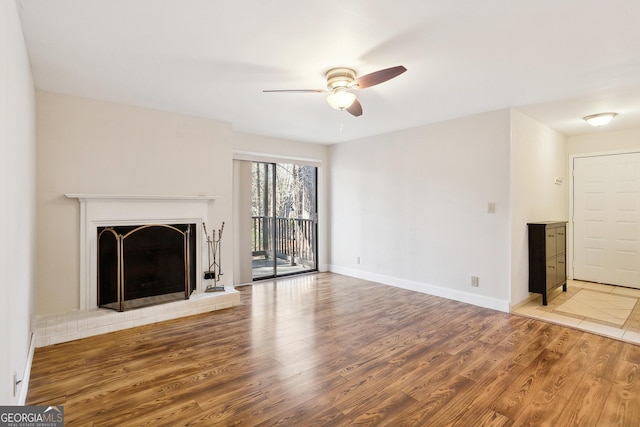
(599, 119)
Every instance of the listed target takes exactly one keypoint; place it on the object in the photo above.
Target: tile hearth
(77, 324)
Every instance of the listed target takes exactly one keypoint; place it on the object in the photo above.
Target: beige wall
(602, 142)
(17, 205)
(538, 157)
(247, 142)
(413, 205)
(88, 146)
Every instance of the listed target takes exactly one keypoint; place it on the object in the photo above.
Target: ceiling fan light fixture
(341, 99)
(599, 119)
(340, 83)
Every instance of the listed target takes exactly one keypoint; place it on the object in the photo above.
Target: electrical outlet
(357, 260)
(491, 207)
(475, 281)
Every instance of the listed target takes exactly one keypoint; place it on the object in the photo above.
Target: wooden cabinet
(547, 257)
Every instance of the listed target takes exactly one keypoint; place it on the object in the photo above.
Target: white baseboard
(469, 298)
(24, 385)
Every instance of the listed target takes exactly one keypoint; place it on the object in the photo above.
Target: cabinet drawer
(561, 241)
(561, 269)
(551, 273)
(550, 242)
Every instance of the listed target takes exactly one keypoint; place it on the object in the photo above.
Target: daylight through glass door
(284, 226)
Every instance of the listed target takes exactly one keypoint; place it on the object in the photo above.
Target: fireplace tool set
(214, 258)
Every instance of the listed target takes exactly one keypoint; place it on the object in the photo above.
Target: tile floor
(613, 311)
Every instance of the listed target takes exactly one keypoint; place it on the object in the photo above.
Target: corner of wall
(17, 216)
(538, 158)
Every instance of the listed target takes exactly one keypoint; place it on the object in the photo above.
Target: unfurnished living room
(300, 213)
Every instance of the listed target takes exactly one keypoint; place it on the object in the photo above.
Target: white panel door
(606, 208)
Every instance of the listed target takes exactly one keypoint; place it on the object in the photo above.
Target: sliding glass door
(284, 226)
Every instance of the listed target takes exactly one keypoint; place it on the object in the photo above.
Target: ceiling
(556, 61)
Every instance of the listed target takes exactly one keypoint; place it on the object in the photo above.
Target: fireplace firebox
(144, 265)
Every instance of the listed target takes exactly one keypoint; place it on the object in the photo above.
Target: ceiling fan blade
(355, 108)
(298, 90)
(378, 77)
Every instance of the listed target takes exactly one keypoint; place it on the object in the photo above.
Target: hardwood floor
(330, 350)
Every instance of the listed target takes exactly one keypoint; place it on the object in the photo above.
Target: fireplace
(145, 265)
(125, 213)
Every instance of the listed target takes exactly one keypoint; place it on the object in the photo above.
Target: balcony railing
(294, 239)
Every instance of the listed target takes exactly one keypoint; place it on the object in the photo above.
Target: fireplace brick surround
(77, 324)
(97, 210)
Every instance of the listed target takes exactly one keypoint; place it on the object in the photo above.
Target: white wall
(413, 206)
(538, 157)
(17, 203)
(88, 146)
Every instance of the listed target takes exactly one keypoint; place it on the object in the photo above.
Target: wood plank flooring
(329, 350)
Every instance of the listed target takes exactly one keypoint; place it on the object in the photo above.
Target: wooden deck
(329, 350)
(263, 268)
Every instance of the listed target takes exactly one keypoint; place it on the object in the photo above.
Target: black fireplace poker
(214, 258)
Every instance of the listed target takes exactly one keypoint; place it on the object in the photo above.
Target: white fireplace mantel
(135, 197)
(100, 210)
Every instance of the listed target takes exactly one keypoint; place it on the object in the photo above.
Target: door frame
(242, 202)
(570, 233)
(276, 232)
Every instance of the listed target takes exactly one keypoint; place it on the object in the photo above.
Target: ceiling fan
(342, 81)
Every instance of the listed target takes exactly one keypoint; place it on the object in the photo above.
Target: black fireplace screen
(145, 265)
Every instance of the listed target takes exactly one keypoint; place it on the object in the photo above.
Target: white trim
(85, 197)
(569, 245)
(474, 299)
(254, 156)
(605, 153)
(26, 376)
